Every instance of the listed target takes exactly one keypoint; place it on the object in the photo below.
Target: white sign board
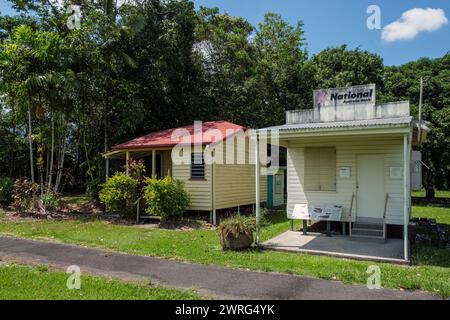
(364, 94)
(301, 212)
(344, 172)
(316, 212)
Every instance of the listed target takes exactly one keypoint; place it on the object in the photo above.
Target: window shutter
(312, 169)
(197, 166)
(327, 169)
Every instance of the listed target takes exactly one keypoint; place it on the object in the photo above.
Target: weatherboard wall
(347, 149)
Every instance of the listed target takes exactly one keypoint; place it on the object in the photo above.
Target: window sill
(197, 179)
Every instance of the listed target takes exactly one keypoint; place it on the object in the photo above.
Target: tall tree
(339, 67)
(283, 79)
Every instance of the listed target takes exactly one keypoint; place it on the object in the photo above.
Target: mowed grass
(439, 194)
(426, 255)
(441, 214)
(19, 282)
(202, 246)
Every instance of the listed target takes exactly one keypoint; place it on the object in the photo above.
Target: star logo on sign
(321, 97)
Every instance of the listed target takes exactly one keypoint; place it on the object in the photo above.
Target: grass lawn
(38, 283)
(202, 246)
(442, 215)
(439, 194)
(75, 199)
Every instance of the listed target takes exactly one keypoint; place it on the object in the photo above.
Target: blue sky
(335, 22)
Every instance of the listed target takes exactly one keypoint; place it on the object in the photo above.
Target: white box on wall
(396, 172)
(344, 172)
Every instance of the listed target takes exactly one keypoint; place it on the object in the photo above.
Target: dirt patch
(184, 225)
(91, 207)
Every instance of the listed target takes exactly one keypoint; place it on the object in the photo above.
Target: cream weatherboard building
(215, 161)
(353, 156)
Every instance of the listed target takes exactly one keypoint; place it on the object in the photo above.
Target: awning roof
(183, 135)
(355, 124)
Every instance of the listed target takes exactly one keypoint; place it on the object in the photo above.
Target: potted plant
(237, 233)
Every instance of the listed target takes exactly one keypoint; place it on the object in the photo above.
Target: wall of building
(235, 180)
(200, 190)
(347, 149)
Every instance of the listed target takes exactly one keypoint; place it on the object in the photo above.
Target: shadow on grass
(438, 202)
(431, 256)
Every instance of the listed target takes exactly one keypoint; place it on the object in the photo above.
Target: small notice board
(316, 212)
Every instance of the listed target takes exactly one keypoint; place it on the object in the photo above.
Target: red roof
(208, 132)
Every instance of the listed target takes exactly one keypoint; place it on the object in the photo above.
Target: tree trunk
(429, 185)
(87, 156)
(31, 145)
(52, 152)
(60, 164)
(11, 150)
(430, 192)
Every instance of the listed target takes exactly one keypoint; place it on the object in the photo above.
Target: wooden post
(137, 211)
(350, 216)
(305, 227)
(127, 159)
(106, 169)
(328, 228)
(257, 187)
(405, 197)
(153, 163)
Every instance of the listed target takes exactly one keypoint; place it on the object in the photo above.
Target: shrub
(24, 194)
(166, 198)
(119, 193)
(93, 188)
(237, 225)
(6, 191)
(51, 202)
(237, 233)
(137, 170)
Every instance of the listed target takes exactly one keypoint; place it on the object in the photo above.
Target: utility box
(416, 170)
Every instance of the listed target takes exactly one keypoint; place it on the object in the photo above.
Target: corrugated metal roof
(371, 123)
(185, 135)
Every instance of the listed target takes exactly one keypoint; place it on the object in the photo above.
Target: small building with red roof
(213, 159)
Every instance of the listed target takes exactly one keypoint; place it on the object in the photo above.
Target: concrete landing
(338, 246)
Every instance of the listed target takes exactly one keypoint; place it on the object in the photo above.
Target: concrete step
(367, 232)
(369, 220)
(367, 238)
(369, 226)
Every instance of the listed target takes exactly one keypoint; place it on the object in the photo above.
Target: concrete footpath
(209, 280)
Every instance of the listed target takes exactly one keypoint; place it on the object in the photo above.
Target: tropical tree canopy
(132, 67)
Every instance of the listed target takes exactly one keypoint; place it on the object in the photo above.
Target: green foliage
(340, 67)
(51, 202)
(119, 193)
(166, 198)
(25, 192)
(131, 70)
(237, 225)
(403, 83)
(6, 191)
(93, 187)
(137, 170)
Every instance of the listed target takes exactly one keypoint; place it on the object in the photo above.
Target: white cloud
(412, 22)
